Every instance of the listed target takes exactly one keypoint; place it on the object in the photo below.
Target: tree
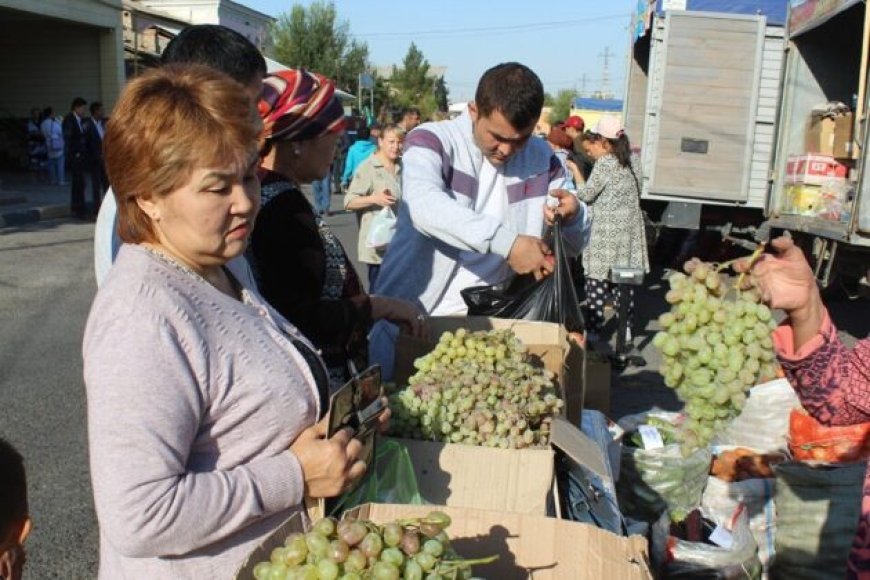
(412, 85)
(561, 105)
(441, 94)
(316, 39)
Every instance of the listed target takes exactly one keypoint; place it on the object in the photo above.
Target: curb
(34, 214)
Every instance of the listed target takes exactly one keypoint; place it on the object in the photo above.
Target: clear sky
(561, 40)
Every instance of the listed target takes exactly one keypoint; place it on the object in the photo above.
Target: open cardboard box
(545, 340)
(508, 480)
(526, 546)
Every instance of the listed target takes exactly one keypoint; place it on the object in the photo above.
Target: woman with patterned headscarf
(301, 267)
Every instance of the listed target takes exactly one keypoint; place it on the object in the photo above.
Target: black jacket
(76, 140)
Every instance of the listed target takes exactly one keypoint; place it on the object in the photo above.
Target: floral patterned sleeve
(832, 381)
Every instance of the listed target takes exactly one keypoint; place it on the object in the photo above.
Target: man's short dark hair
(363, 133)
(218, 47)
(78, 102)
(13, 486)
(95, 106)
(513, 90)
(410, 111)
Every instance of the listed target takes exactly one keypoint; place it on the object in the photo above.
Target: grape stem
(752, 259)
(449, 565)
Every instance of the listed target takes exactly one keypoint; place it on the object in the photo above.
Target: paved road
(46, 287)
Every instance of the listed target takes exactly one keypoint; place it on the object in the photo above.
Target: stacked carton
(499, 499)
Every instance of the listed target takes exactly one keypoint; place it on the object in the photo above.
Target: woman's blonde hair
(167, 123)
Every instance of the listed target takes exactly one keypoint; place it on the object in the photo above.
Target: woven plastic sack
(390, 480)
(809, 440)
(382, 229)
(817, 512)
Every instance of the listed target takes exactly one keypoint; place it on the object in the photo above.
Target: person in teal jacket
(357, 153)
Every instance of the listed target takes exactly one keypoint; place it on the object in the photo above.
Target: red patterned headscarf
(297, 105)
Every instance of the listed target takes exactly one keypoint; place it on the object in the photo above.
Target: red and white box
(814, 169)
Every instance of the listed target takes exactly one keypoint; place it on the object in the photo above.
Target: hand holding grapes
(328, 465)
(786, 281)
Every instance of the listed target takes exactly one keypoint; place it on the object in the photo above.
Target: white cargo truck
(701, 100)
(819, 188)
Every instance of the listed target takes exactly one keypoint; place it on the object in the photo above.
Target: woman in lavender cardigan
(203, 402)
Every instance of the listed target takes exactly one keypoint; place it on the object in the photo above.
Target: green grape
(433, 547)
(413, 571)
(262, 571)
(372, 545)
(385, 571)
(393, 534)
(426, 561)
(393, 556)
(327, 570)
(277, 571)
(356, 561)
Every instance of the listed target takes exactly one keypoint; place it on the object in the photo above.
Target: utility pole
(605, 73)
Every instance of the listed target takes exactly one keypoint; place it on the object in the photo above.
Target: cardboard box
(509, 480)
(546, 340)
(830, 135)
(527, 546)
(813, 169)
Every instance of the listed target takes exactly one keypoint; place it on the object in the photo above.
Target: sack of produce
(715, 345)
(764, 422)
(809, 440)
(722, 552)
(550, 299)
(656, 478)
(817, 512)
(390, 479)
(721, 498)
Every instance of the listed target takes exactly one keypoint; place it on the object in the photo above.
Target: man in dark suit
(96, 128)
(75, 129)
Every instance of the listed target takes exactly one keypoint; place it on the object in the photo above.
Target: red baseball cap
(574, 122)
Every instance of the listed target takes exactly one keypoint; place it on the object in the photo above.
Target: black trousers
(598, 292)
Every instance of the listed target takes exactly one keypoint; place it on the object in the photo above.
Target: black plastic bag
(551, 299)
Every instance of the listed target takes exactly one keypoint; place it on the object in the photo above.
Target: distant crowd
(74, 144)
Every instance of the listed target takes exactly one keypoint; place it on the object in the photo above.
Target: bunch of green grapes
(412, 549)
(477, 388)
(715, 346)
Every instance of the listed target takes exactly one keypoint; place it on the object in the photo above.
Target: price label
(651, 437)
(722, 538)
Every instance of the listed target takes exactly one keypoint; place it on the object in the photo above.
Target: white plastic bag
(721, 499)
(763, 423)
(678, 558)
(382, 229)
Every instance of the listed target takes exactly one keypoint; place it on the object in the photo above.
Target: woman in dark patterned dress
(612, 193)
(300, 265)
(832, 381)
